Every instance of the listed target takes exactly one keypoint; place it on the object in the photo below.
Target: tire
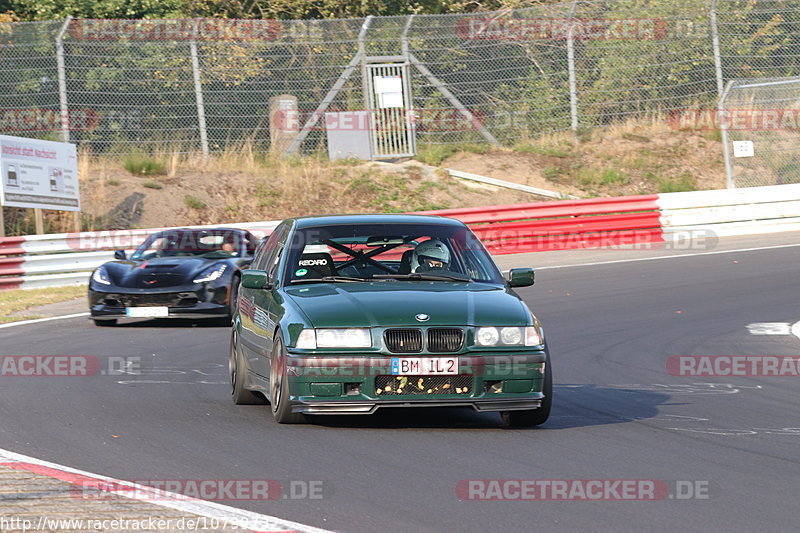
(281, 408)
(106, 323)
(534, 417)
(233, 296)
(236, 370)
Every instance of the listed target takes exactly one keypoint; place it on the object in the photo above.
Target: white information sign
(389, 90)
(37, 173)
(743, 149)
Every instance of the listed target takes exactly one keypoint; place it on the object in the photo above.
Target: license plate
(140, 312)
(424, 366)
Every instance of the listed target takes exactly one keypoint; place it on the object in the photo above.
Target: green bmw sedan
(343, 315)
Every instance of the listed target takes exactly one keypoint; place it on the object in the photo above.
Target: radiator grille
(403, 340)
(445, 339)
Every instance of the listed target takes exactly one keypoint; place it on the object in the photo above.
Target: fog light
(352, 389)
(494, 387)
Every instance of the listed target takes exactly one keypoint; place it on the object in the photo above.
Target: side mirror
(120, 254)
(255, 279)
(521, 277)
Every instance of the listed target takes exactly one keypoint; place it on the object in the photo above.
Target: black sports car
(181, 273)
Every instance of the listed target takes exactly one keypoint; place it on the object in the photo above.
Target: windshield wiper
(329, 279)
(419, 276)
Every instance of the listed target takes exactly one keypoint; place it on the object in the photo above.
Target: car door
(257, 328)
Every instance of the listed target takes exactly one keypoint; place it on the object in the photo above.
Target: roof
(332, 220)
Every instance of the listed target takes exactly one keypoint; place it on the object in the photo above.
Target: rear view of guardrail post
(198, 94)
(62, 81)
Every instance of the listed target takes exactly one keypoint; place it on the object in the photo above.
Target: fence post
(62, 80)
(717, 54)
(573, 84)
(723, 126)
(198, 94)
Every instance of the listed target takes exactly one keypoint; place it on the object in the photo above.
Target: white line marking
(669, 256)
(38, 320)
(795, 329)
(769, 328)
(244, 519)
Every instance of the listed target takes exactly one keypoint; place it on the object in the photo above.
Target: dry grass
(242, 184)
(15, 300)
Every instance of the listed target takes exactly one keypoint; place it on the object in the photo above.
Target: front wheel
(534, 417)
(279, 387)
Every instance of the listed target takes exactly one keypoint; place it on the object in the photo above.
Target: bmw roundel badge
(422, 317)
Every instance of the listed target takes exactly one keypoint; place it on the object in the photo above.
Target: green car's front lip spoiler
(531, 401)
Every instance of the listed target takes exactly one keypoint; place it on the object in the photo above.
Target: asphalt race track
(618, 413)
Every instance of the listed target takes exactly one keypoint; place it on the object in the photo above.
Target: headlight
(211, 273)
(101, 276)
(508, 336)
(310, 339)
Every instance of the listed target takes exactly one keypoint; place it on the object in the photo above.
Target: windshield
(402, 252)
(192, 243)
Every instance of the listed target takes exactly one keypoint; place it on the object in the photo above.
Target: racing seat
(317, 266)
(405, 262)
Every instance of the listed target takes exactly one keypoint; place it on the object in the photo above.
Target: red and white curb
(231, 516)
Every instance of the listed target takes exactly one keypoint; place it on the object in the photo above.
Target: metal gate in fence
(389, 101)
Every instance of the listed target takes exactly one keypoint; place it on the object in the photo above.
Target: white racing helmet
(432, 250)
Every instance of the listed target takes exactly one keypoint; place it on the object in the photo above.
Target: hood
(397, 304)
(159, 272)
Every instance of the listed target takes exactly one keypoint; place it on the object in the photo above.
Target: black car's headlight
(101, 276)
(212, 273)
(508, 336)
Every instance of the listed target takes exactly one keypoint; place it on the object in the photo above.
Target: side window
(265, 257)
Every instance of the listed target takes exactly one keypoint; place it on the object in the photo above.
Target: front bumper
(188, 301)
(533, 401)
(348, 384)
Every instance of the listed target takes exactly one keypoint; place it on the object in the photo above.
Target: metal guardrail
(628, 221)
(68, 258)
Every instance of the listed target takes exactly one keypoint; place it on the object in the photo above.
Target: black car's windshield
(209, 244)
(400, 252)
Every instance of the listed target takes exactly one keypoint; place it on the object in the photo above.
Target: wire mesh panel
(29, 102)
(185, 85)
(761, 119)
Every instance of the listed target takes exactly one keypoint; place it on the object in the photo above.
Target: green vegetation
(153, 185)
(143, 165)
(113, 182)
(682, 183)
(540, 150)
(435, 154)
(193, 202)
(288, 9)
(16, 300)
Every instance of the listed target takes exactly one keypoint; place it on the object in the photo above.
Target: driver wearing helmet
(430, 255)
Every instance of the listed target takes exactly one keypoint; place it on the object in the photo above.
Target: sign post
(38, 175)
